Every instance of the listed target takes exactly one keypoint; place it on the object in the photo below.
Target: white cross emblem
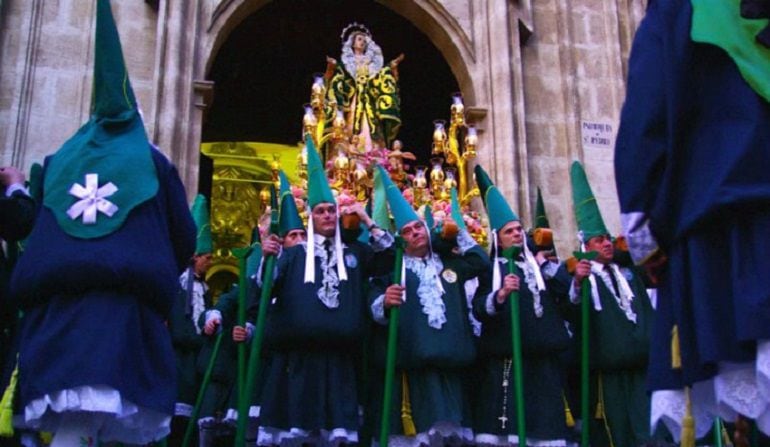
(92, 200)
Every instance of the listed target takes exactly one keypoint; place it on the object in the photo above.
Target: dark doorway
(264, 70)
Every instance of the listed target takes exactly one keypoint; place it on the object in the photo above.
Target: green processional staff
(499, 215)
(259, 330)
(245, 259)
(621, 317)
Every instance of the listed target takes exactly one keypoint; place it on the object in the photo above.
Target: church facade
(543, 80)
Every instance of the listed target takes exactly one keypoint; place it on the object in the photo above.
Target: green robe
(432, 362)
(619, 356)
(544, 340)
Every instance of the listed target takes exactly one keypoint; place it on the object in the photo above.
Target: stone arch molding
(190, 33)
(449, 30)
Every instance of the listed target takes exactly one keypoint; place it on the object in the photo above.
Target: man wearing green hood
(620, 323)
(435, 337)
(98, 274)
(544, 337)
(315, 324)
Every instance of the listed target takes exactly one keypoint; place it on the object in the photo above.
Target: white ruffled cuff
(382, 241)
(464, 241)
(378, 310)
(16, 187)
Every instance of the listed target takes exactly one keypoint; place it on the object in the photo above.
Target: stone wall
(575, 66)
(46, 75)
(530, 72)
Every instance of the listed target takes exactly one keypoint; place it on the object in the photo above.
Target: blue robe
(95, 309)
(692, 156)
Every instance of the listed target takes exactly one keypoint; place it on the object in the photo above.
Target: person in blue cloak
(98, 273)
(691, 166)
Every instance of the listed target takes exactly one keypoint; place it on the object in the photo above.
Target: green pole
(390, 360)
(241, 320)
(511, 254)
(259, 332)
(193, 422)
(585, 308)
(717, 432)
(584, 365)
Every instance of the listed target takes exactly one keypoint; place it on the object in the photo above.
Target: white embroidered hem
(123, 421)
(738, 388)
(182, 409)
(295, 437)
(490, 440)
(439, 435)
(231, 416)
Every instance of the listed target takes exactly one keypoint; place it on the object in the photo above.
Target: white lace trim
(295, 437)
(372, 57)
(737, 389)
(198, 292)
(183, 409)
(378, 310)
(430, 289)
(440, 434)
(329, 291)
(532, 284)
(120, 420)
(530, 279)
(490, 440)
(471, 286)
(231, 416)
(626, 295)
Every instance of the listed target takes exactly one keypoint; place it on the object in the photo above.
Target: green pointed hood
(289, 217)
(497, 208)
(106, 169)
(318, 190)
(457, 214)
(589, 219)
(541, 219)
(427, 214)
(252, 262)
(402, 211)
(200, 214)
(720, 23)
(379, 197)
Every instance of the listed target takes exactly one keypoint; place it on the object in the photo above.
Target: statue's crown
(354, 27)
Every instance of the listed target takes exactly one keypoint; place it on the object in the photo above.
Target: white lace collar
(430, 289)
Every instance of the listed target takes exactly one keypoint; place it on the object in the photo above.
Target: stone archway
(479, 40)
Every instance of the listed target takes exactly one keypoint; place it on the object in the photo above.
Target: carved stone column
(178, 112)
